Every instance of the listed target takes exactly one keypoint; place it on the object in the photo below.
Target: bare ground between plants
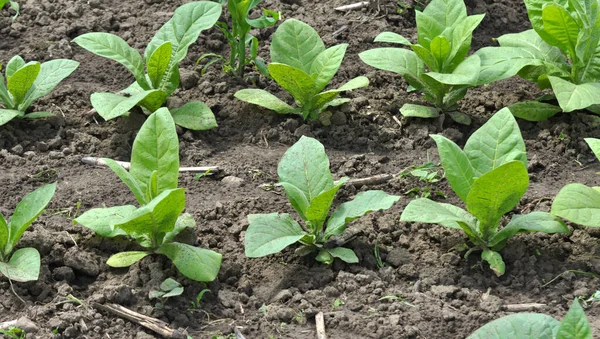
(436, 293)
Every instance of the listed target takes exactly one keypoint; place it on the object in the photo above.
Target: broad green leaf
(467, 73)
(440, 50)
(128, 180)
(183, 221)
(397, 60)
(587, 67)
(326, 65)
(13, 65)
(51, 74)
(113, 47)
(575, 324)
(24, 265)
(103, 220)
(572, 97)
(298, 83)
(425, 55)
(184, 27)
(126, 259)
(5, 97)
(296, 44)
(297, 198)
(7, 115)
(364, 203)
(392, 38)
(419, 111)
(156, 148)
(496, 193)
(534, 110)
(497, 142)
(319, 207)
(432, 212)
(270, 233)
(519, 326)
(264, 99)
(158, 64)
(154, 100)
(198, 264)
(437, 16)
(328, 98)
(579, 204)
(532, 222)
(495, 261)
(158, 216)
(20, 83)
(534, 11)
(3, 233)
(460, 36)
(325, 257)
(594, 145)
(194, 115)
(306, 166)
(561, 29)
(27, 210)
(344, 254)
(111, 106)
(459, 171)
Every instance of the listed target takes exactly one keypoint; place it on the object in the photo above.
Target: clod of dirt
(82, 261)
(233, 181)
(398, 257)
(121, 295)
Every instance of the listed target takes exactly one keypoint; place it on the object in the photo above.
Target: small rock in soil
(394, 319)
(82, 261)
(119, 294)
(303, 130)
(18, 150)
(451, 258)
(283, 296)
(398, 257)
(285, 314)
(233, 181)
(444, 291)
(331, 291)
(338, 118)
(56, 155)
(71, 332)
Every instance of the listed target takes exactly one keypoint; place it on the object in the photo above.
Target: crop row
(489, 174)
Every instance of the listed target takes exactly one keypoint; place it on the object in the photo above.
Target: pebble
(233, 181)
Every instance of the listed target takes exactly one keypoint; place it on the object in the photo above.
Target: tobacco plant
(13, 4)
(239, 37)
(161, 61)
(302, 66)
(574, 325)
(579, 203)
(490, 176)
(304, 174)
(24, 263)
(437, 64)
(152, 179)
(27, 82)
(561, 52)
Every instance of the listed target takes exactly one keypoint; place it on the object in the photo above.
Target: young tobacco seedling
(561, 52)
(304, 174)
(239, 37)
(490, 176)
(24, 263)
(152, 179)
(168, 288)
(302, 66)
(437, 64)
(161, 60)
(27, 82)
(574, 325)
(13, 5)
(579, 203)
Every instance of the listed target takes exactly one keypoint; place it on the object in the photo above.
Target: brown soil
(440, 295)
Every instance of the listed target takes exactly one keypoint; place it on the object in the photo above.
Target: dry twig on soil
(150, 323)
(126, 165)
(350, 7)
(320, 322)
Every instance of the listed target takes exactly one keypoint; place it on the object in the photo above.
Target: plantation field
(411, 281)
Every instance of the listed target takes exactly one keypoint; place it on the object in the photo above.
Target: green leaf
(169, 284)
(13, 65)
(495, 261)
(184, 27)
(194, 115)
(579, 204)
(459, 171)
(113, 47)
(103, 220)
(519, 326)
(127, 179)
(270, 233)
(328, 98)
(264, 99)
(497, 142)
(156, 148)
(532, 222)
(111, 106)
(183, 221)
(561, 29)
(363, 204)
(158, 64)
(594, 145)
(3, 234)
(432, 212)
(572, 97)
(51, 74)
(397, 60)
(38, 115)
(460, 36)
(20, 83)
(298, 83)
(466, 73)
(158, 216)
(326, 65)
(575, 324)
(496, 193)
(345, 254)
(296, 44)
(5, 97)
(198, 264)
(27, 210)
(297, 198)
(534, 11)
(440, 50)
(24, 265)
(306, 166)
(126, 259)
(325, 257)
(419, 111)
(437, 16)
(392, 38)
(7, 115)
(319, 207)
(534, 110)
